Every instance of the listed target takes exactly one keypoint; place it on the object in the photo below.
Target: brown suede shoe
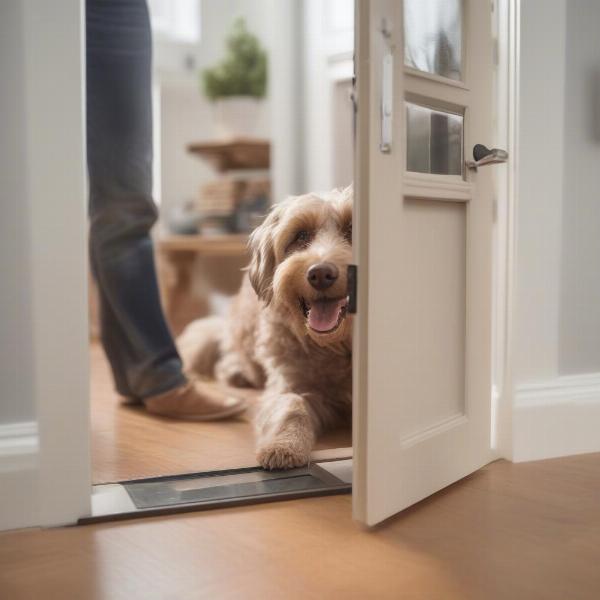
(195, 401)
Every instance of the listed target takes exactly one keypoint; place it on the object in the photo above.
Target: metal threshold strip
(216, 489)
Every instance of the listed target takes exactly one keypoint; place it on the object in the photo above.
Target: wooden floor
(128, 443)
(515, 532)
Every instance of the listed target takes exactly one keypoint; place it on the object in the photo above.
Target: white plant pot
(236, 116)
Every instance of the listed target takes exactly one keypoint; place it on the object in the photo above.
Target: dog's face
(300, 256)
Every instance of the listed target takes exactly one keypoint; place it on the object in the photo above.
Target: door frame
(53, 486)
(507, 40)
(59, 319)
(55, 34)
(506, 78)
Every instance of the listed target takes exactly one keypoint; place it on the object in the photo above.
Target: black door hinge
(352, 274)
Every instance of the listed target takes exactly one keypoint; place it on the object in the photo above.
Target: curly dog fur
(285, 334)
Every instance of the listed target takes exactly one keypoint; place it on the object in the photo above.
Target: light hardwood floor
(512, 532)
(128, 443)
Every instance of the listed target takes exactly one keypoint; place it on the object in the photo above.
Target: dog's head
(300, 255)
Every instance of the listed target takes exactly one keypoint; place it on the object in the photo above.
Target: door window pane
(433, 36)
(434, 141)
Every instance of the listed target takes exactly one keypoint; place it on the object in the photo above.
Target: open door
(423, 214)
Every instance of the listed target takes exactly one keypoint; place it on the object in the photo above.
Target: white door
(423, 247)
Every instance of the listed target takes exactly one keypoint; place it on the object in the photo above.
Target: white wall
(555, 356)
(16, 332)
(558, 212)
(287, 102)
(328, 49)
(579, 327)
(540, 188)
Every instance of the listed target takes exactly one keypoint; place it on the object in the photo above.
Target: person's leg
(137, 341)
(119, 115)
(113, 341)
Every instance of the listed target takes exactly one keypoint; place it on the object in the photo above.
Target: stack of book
(241, 197)
(233, 205)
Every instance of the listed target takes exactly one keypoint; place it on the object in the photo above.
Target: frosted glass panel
(433, 36)
(434, 141)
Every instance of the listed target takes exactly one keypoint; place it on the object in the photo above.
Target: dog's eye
(301, 240)
(348, 233)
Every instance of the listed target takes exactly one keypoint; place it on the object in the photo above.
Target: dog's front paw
(281, 455)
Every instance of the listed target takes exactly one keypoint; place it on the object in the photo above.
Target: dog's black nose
(322, 275)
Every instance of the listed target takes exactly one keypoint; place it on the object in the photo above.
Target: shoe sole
(219, 416)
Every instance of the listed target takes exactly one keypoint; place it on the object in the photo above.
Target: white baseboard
(19, 475)
(557, 418)
(18, 445)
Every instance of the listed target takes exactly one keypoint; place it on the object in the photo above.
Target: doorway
(60, 401)
(217, 170)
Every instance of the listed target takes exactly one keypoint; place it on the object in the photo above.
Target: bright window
(175, 20)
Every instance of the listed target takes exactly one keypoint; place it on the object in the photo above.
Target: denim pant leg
(135, 335)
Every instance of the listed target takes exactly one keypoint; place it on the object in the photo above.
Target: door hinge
(352, 289)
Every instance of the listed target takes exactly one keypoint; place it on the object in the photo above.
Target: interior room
(219, 163)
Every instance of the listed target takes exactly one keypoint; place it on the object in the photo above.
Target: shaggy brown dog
(288, 330)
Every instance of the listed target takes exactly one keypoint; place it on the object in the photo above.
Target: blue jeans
(135, 335)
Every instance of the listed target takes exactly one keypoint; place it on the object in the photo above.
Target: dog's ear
(262, 263)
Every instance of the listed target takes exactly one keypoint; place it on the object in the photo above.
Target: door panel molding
(438, 187)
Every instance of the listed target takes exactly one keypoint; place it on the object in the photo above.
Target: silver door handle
(387, 103)
(387, 89)
(484, 156)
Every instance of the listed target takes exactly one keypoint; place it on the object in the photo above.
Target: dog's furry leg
(200, 345)
(286, 429)
(235, 370)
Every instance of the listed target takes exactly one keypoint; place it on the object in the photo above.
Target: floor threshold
(216, 489)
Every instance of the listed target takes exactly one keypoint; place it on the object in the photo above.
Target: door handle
(387, 103)
(484, 156)
(387, 88)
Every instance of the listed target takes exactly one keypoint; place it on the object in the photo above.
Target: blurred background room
(251, 103)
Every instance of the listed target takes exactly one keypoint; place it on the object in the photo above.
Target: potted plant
(237, 84)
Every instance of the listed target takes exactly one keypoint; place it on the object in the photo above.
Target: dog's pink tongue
(323, 316)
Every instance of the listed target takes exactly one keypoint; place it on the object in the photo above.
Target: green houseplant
(238, 83)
